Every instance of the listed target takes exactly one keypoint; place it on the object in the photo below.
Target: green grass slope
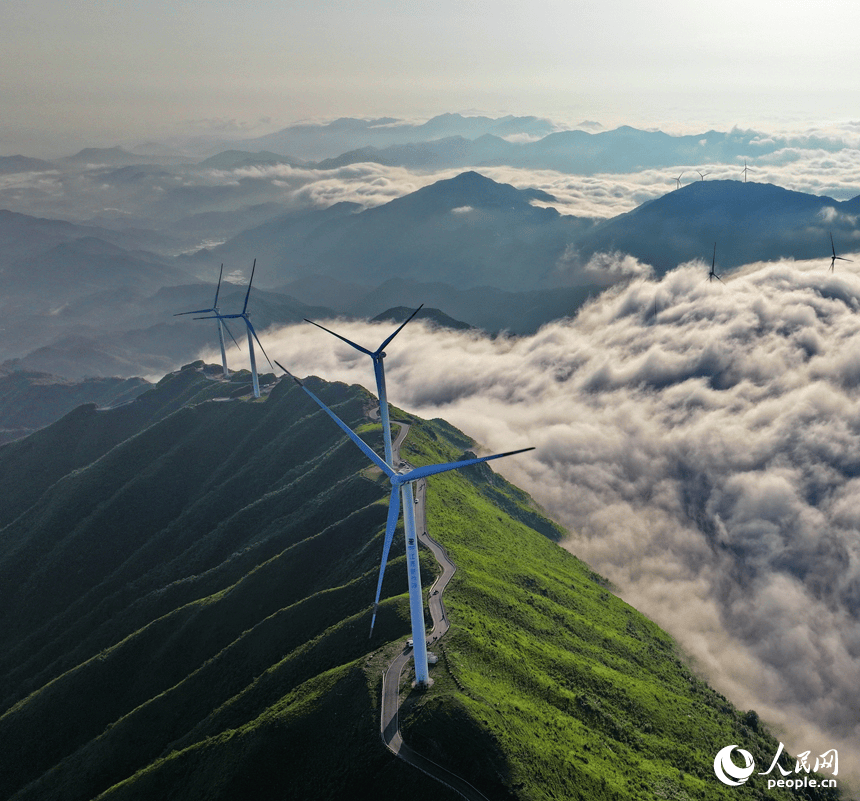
(186, 606)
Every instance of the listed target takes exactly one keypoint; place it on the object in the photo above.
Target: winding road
(389, 724)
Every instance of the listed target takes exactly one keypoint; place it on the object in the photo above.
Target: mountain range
(465, 231)
(470, 231)
(186, 587)
(86, 300)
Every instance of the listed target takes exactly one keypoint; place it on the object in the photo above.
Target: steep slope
(186, 614)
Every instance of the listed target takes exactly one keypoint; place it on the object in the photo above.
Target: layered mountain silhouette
(469, 232)
(483, 252)
(29, 400)
(466, 231)
(315, 142)
(127, 333)
(186, 586)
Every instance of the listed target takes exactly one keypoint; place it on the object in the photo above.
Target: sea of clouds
(818, 172)
(701, 442)
(802, 166)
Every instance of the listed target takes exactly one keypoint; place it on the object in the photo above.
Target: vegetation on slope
(186, 611)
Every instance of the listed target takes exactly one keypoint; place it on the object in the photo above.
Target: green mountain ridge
(186, 587)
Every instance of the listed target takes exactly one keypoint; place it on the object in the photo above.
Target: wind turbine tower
(378, 356)
(678, 179)
(399, 484)
(252, 334)
(712, 274)
(745, 170)
(221, 324)
(834, 257)
(703, 174)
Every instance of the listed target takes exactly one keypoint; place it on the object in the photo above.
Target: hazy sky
(98, 72)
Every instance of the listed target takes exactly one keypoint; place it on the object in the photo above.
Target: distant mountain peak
(398, 314)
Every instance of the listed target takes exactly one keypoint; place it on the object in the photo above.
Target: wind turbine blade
(382, 346)
(348, 341)
(832, 246)
(393, 514)
(230, 333)
(251, 329)
(251, 281)
(365, 448)
(196, 311)
(219, 316)
(433, 469)
(218, 288)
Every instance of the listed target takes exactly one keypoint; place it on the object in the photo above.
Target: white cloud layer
(702, 442)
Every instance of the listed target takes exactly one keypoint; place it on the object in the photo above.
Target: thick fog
(701, 441)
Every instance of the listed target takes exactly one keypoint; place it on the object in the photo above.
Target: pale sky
(103, 73)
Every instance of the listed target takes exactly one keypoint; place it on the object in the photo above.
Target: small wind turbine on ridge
(221, 324)
(678, 179)
(745, 170)
(834, 257)
(252, 334)
(712, 274)
(703, 174)
(379, 371)
(399, 484)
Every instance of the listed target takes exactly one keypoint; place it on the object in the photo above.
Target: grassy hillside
(186, 606)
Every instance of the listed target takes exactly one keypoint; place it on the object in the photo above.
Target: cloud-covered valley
(177, 197)
(701, 441)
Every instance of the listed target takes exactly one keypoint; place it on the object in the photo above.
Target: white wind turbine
(252, 334)
(379, 371)
(402, 483)
(221, 324)
(835, 258)
(713, 273)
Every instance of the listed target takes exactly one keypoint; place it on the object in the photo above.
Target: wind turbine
(221, 324)
(400, 482)
(252, 334)
(678, 179)
(712, 274)
(379, 371)
(745, 170)
(835, 257)
(703, 174)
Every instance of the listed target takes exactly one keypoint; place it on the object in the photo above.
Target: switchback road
(389, 717)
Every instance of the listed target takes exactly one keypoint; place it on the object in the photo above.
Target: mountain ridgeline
(185, 591)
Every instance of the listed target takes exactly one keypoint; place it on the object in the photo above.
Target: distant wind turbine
(703, 174)
(399, 483)
(835, 257)
(678, 179)
(745, 170)
(221, 324)
(712, 274)
(379, 371)
(252, 334)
